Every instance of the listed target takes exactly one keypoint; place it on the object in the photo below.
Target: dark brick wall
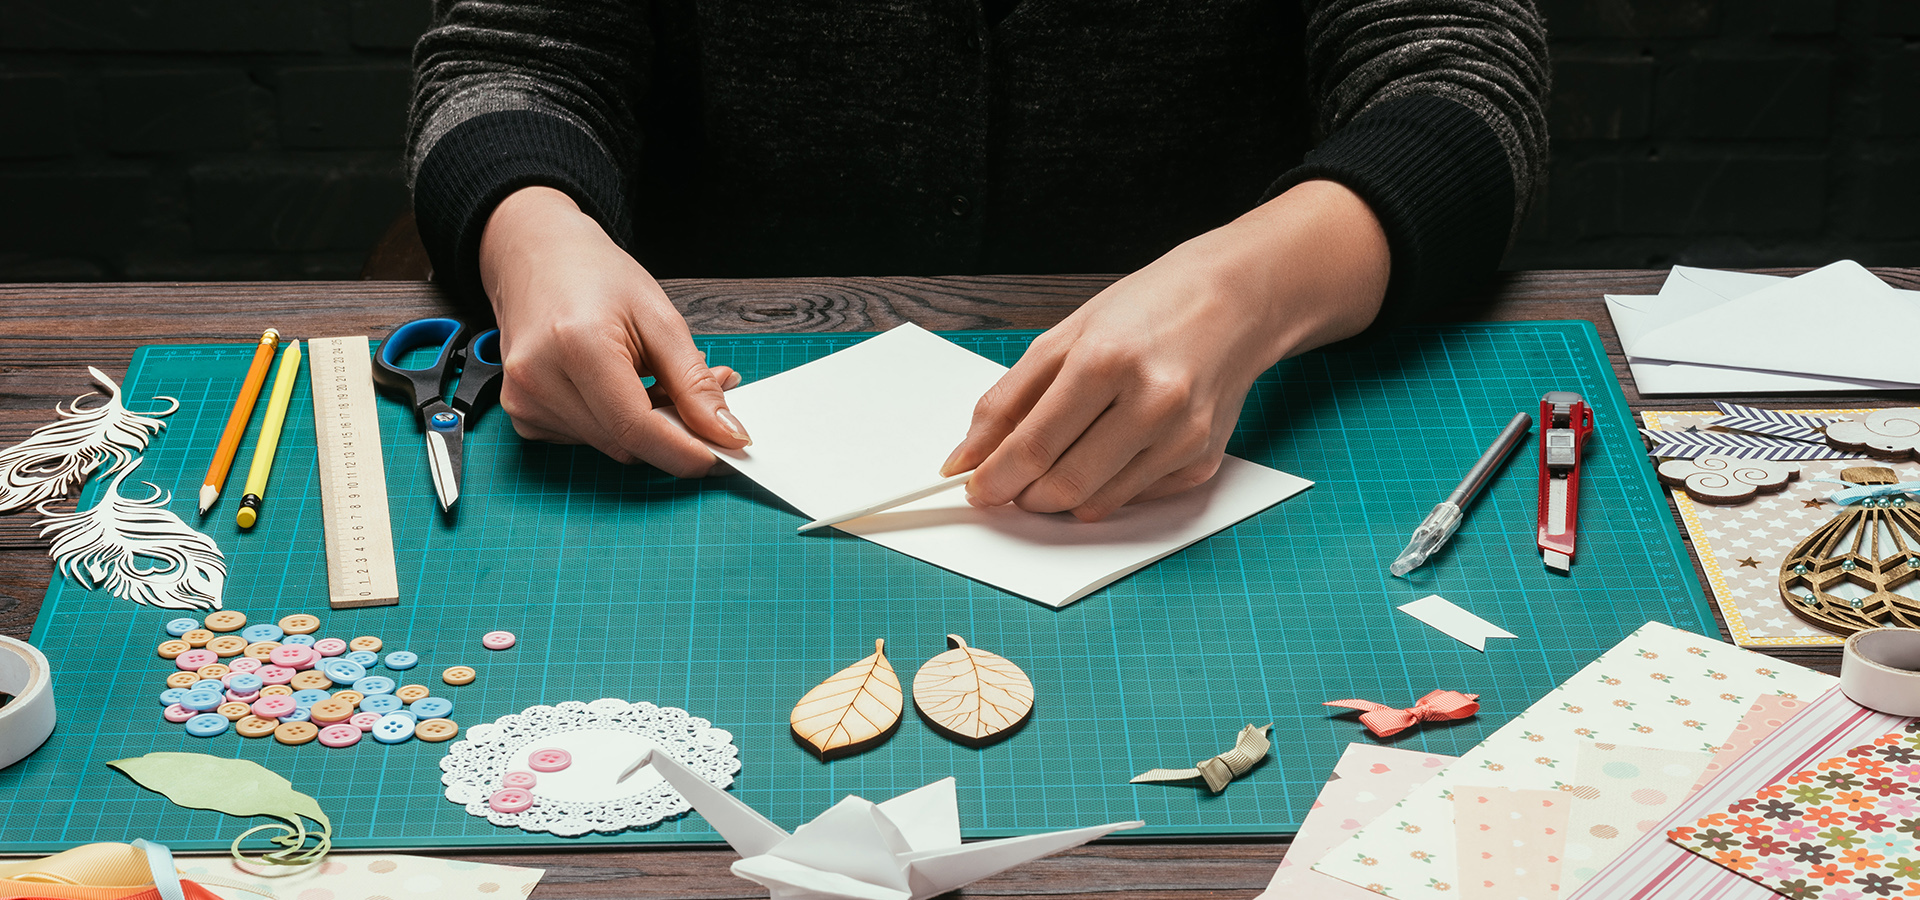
(220, 139)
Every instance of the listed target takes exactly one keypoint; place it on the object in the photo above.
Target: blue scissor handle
(479, 374)
(420, 387)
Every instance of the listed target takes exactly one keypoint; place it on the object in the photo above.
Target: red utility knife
(1565, 423)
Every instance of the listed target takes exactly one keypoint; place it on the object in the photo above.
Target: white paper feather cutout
(137, 549)
(57, 457)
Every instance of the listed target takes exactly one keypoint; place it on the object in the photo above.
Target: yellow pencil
(269, 435)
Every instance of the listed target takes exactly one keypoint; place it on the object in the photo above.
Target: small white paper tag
(1454, 622)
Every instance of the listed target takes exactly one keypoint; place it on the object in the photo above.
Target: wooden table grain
(50, 332)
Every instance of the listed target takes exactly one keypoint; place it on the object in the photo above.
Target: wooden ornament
(972, 696)
(858, 708)
(1725, 479)
(1868, 550)
(1883, 434)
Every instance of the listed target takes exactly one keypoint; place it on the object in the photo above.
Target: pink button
(291, 656)
(244, 664)
(552, 759)
(274, 706)
(242, 698)
(195, 660)
(521, 780)
(511, 800)
(274, 674)
(364, 721)
(341, 735)
(177, 713)
(329, 646)
(497, 640)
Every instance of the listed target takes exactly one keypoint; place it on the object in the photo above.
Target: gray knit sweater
(734, 138)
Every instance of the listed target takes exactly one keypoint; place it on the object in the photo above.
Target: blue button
(265, 631)
(408, 713)
(170, 696)
(302, 640)
(393, 728)
(401, 660)
(209, 684)
(432, 707)
(243, 683)
(207, 725)
(343, 671)
(298, 715)
(374, 684)
(306, 698)
(366, 659)
(201, 701)
(373, 703)
(178, 627)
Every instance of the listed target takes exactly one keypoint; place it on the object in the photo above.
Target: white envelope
(1713, 332)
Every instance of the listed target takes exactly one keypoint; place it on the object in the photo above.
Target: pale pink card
(1366, 782)
(1511, 842)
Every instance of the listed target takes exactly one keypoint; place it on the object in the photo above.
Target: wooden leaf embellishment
(858, 708)
(972, 696)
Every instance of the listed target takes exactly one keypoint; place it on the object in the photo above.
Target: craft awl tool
(1444, 520)
(1565, 423)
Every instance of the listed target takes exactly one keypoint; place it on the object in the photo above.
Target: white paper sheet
(1446, 617)
(878, 419)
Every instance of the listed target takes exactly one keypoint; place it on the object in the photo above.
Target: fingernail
(733, 381)
(951, 466)
(732, 425)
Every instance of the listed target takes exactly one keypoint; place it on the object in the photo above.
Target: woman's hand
(580, 324)
(1134, 395)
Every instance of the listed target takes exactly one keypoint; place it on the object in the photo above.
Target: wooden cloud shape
(1887, 433)
(1725, 479)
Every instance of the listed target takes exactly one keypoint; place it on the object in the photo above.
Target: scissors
(476, 361)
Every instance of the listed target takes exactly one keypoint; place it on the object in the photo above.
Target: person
(565, 154)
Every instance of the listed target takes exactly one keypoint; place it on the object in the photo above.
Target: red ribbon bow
(1438, 706)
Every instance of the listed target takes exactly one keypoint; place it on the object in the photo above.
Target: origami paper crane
(907, 848)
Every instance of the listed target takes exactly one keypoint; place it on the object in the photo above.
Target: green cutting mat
(621, 582)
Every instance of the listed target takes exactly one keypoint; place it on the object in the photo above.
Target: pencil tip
(208, 493)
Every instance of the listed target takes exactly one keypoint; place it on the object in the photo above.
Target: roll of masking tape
(27, 719)
(1880, 670)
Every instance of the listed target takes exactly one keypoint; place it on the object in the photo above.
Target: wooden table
(49, 332)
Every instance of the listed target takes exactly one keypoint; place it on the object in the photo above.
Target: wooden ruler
(353, 479)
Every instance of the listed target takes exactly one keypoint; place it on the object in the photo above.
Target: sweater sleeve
(514, 93)
(1432, 111)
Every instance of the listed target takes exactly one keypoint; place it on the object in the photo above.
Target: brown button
(234, 711)
(254, 726)
(457, 675)
(311, 680)
(352, 698)
(279, 689)
(434, 731)
(227, 620)
(411, 692)
(300, 623)
(262, 650)
(173, 649)
(215, 671)
(227, 645)
(330, 710)
(197, 637)
(367, 642)
(296, 732)
(182, 679)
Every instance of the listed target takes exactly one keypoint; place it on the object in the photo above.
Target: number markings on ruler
(353, 479)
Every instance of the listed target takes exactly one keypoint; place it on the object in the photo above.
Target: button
(329, 646)
(173, 649)
(276, 690)
(368, 643)
(331, 710)
(411, 692)
(497, 640)
(197, 637)
(457, 675)
(171, 696)
(521, 780)
(365, 659)
(300, 623)
(273, 707)
(263, 632)
(380, 703)
(245, 664)
(310, 680)
(374, 684)
(406, 712)
(351, 697)
(242, 698)
(262, 650)
(255, 727)
(298, 715)
(364, 720)
(436, 730)
(178, 627)
(194, 660)
(215, 671)
(208, 684)
(401, 660)
(295, 732)
(228, 645)
(960, 205)
(292, 656)
(432, 707)
(207, 725)
(234, 712)
(275, 674)
(182, 680)
(227, 620)
(177, 714)
(201, 699)
(244, 683)
(549, 759)
(392, 729)
(345, 671)
(510, 800)
(306, 698)
(298, 640)
(342, 735)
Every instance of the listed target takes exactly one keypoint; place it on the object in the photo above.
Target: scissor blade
(443, 459)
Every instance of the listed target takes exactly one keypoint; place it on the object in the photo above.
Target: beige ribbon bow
(1248, 750)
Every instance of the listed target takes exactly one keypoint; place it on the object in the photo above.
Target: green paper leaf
(236, 787)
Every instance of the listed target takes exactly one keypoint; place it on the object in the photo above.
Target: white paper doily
(604, 737)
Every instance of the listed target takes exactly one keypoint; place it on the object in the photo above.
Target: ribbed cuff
(484, 159)
(1437, 178)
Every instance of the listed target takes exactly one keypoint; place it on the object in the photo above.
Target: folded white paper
(1447, 618)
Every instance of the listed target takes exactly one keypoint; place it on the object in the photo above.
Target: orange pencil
(237, 422)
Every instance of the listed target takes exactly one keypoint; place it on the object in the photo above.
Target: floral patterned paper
(1846, 829)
